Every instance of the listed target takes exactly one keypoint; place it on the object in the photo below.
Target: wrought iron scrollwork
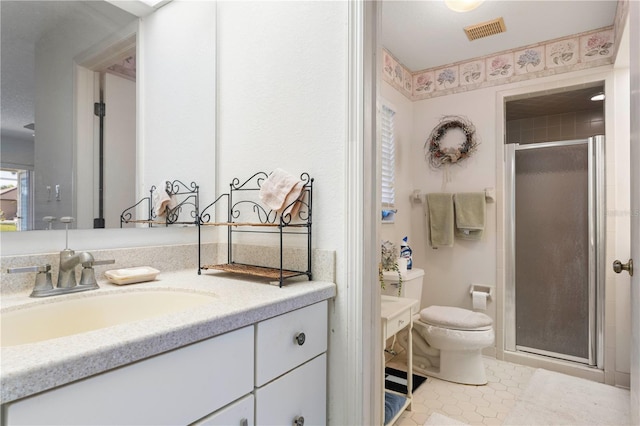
(258, 177)
(262, 215)
(246, 213)
(127, 214)
(189, 202)
(205, 215)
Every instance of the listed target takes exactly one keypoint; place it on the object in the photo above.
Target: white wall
(282, 103)
(119, 147)
(450, 271)
(177, 120)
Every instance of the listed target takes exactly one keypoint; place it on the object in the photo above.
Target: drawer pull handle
(298, 421)
(244, 422)
(300, 339)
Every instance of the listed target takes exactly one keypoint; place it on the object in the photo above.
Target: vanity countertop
(237, 302)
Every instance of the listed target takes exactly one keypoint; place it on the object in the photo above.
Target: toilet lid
(455, 318)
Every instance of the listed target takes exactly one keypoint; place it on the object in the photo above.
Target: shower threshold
(550, 354)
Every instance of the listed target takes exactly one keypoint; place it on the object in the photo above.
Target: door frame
(549, 84)
(86, 92)
(634, 176)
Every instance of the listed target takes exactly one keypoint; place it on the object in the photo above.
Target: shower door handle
(619, 267)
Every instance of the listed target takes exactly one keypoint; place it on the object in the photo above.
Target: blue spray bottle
(405, 251)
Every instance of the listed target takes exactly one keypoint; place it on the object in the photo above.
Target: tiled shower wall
(549, 128)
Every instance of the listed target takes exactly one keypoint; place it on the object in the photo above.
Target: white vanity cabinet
(291, 367)
(173, 388)
(272, 372)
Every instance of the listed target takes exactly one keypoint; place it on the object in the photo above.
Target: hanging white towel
(280, 190)
(162, 200)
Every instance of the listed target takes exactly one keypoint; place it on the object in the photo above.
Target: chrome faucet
(68, 262)
(67, 283)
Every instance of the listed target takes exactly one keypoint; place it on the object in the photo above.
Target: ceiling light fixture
(463, 5)
(598, 97)
(151, 3)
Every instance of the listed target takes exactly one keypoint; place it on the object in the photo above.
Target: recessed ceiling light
(463, 5)
(598, 97)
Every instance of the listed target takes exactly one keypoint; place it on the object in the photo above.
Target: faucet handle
(20, 270)
(44, 284)
(98, 263)
(88, 276)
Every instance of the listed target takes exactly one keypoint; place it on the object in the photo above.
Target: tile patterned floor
(472, 405)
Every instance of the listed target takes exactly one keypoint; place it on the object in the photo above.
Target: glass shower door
(553, 269)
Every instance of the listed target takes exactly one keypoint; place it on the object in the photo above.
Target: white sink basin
(44, 321)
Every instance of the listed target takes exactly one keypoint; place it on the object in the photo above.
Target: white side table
(397, 314)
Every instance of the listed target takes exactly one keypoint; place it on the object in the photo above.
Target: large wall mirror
(167, 133)
(59, 58)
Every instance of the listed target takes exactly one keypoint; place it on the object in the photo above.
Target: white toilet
(447, 341)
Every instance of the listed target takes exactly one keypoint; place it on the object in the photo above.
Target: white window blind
(388, 157)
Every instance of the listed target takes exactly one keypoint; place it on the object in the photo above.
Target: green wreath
(436, 155)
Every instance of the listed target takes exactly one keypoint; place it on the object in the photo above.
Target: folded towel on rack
(280, 190)
(293, 201)
(392, 405)
(470, 208)
(440, 220)
(162, 200)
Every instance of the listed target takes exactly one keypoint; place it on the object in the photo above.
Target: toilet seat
(452, 318)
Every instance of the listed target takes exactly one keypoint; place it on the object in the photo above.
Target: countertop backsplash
(168, 259)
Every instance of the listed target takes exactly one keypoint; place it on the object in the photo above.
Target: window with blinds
(388, 162)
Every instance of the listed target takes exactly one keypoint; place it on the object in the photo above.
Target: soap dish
(133, 275)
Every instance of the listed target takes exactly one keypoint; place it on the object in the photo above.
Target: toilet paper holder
(482, 289)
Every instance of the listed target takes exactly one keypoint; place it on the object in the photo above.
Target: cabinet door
(278, 350)
(240, 413)
(177, 387)
(300, 393)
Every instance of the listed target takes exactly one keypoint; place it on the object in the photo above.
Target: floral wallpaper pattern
(447, 78)
(500, 67)
(529, 60)
(408, 81)
(395, 73)
(594, 48)
(471, 72)
(562, 53)
(423, 83)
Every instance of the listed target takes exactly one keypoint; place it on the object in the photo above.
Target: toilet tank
(411, 284)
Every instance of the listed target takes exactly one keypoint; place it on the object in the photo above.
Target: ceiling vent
(485, 29)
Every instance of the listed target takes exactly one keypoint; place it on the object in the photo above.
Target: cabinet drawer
(278, 350)
(302, 392)
(397, 323)
(240, 413)
(177, 387)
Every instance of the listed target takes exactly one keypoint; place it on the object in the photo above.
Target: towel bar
(417, 196)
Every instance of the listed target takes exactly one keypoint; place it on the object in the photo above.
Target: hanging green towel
(470, 210)
(440, 220)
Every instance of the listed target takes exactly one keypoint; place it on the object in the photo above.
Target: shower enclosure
(555, 249)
